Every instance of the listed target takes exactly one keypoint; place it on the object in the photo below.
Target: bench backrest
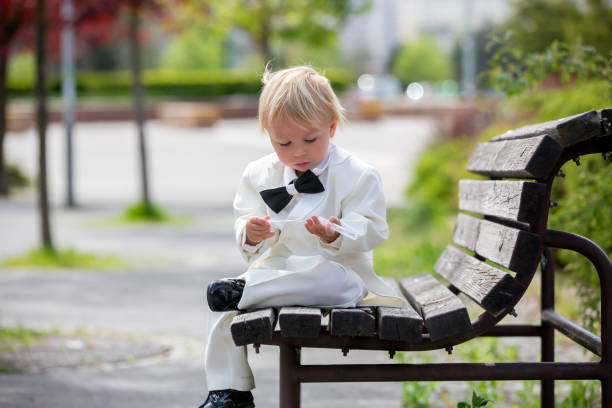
(500, 232)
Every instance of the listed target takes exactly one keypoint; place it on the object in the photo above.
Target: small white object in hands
(340, 229)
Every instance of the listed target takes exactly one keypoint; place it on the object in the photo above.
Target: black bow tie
(278, 198)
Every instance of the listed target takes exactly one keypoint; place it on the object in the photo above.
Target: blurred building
(369, 39)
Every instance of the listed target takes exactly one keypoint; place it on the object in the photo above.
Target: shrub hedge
(190, 84)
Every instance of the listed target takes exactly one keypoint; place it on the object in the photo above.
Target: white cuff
(249, 248)
(331, 247)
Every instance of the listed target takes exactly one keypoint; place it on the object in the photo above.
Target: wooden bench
(500, 238)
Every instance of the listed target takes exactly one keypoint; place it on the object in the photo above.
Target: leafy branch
(477, 401)
(514, 71)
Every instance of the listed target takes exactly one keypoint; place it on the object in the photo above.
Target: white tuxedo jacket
(353, 194)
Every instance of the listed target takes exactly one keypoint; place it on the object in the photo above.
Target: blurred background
(125, 126)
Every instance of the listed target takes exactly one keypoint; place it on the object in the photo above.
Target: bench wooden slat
(535, 157)
(466, 231)
(490, 287)
(514, 200)
(399, 324)
(567, 131)
(253, 327)
(443, 313)
(352, 322)
(300, 322)
(511, 248)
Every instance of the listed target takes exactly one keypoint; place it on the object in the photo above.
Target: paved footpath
(159, 298)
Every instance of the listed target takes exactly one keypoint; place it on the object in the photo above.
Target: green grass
(64, 258)
(142, 213)
(12, 338)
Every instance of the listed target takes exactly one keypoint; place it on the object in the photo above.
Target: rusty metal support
(578, 334)
(289, 385)
(448, 372)
(513, 330)
(547, 345)
(601, 262)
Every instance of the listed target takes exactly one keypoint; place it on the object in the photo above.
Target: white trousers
(303, 281)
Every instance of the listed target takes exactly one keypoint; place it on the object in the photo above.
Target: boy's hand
(324, 231)
(258, 229)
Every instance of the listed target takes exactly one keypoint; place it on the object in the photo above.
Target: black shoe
(224, 294)
(229, 399)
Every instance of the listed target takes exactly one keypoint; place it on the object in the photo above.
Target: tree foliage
(313, 22)
(514, 70)
(421, 60)
(537, 23)
(196, 48)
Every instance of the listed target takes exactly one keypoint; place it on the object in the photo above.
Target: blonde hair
(299, 94)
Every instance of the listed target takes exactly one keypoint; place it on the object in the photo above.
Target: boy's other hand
(324, 231)
(258, 229)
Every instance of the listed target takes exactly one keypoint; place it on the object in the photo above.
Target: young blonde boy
(285, 206)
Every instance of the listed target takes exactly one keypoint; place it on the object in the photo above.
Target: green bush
(16, 177)
(194, 48)
(433, 194)
(422, 60)
(192, 84)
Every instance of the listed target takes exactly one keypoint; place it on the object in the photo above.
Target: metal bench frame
(293, 373)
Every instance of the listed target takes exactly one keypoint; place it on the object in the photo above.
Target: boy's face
(298, 145)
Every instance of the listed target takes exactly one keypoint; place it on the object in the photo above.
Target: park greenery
(163, 84)
(421, 60)
(69, 258)
(538, 23)
(514, 70)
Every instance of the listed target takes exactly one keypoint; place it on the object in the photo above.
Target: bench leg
(606, 393)
(289, 388)
(547, 387)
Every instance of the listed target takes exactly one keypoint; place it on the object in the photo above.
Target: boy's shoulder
(268, 161)
(350, 161)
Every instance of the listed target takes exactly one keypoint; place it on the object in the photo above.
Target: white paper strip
(340, 229)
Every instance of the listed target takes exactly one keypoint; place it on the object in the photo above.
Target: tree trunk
(138, 99)
(3, 123)
(264, 41)
(41, 122)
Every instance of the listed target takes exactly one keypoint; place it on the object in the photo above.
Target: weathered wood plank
(535, 157)
(443, 313)
(253, 327)
(466, 231)
(490, 287)
(509, 247)
(352, 322)
(399, 324)
(567, 131)
(514, 200)
(300, 322)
